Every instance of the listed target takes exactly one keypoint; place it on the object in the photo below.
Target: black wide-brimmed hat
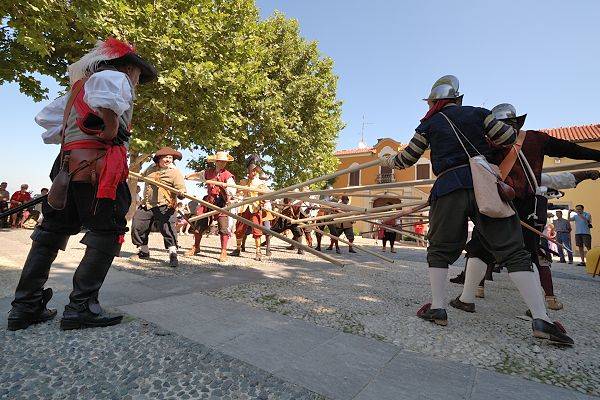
(167, 151)
(112, 52)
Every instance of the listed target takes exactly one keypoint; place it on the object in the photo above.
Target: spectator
(388, 235)
(583, 235)
(563, 236)
(4, 201)
(420, 233)
(18, 198)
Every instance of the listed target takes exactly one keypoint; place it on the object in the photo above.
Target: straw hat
(220, 156)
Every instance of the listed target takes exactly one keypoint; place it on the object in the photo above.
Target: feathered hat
(111, 52)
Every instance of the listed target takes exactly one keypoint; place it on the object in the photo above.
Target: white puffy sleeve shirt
(104, 89)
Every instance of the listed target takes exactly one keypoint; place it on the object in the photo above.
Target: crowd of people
(468, 145)
(26, 218)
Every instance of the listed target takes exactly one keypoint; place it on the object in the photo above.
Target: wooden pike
(220, 210)
(378, 186)
(357, 247)
(358, 212)
(367, 217)
(274, 194)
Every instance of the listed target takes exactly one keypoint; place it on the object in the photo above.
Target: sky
(540, 56)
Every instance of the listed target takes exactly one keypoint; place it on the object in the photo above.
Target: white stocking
(474, 273)
(438, 278)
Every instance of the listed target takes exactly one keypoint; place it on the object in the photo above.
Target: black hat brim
(148, 72)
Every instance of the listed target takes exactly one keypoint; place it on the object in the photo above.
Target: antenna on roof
(362, 144)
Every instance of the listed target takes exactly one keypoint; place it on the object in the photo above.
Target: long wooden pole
(378, 186)
(274, 194)
(360, 248)
(358, 212)
(237, 217)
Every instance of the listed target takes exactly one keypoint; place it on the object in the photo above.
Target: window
(423, 171)
(385, 170)
(354, 179)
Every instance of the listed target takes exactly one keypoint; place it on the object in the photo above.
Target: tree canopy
(227, 80)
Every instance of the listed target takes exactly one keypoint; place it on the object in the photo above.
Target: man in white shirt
(92, 125)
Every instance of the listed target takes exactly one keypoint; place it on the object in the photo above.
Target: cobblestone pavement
(134, 360)
(367, 297)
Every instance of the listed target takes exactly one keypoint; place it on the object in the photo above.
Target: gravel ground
(379, 300)
(134, 360)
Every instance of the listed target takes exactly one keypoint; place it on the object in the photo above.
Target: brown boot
(480, 292)
(553, 303)
(193, 250)
(223, 256)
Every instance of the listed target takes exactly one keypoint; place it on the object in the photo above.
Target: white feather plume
(88, 63)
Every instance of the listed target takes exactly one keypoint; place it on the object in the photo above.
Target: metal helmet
(506, 111)
(444, 88)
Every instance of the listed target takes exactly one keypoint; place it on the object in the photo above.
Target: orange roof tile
(354, 151)
(582, 133)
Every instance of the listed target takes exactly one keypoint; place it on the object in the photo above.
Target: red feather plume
(115, 48)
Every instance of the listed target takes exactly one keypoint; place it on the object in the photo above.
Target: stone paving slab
(334, 364)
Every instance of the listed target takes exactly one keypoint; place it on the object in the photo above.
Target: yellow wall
(586, 193)
(369, 176)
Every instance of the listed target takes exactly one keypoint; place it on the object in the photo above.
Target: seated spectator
(18, 198)
(4, 201)
(35, 212)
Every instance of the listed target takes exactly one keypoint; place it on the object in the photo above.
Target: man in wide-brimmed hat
(253, 211)
(159, 205)
(217, 195)
(92, 125)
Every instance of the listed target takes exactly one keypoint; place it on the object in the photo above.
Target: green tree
(227, 80)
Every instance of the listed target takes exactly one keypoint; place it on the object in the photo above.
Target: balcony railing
(386, 178)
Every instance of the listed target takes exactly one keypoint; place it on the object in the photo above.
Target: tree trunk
(135, 164)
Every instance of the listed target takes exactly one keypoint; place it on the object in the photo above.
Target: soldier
(96, 117)
(217, 195)
(159, 205)
(253, 211)
(347, 228)
(447, 129)
(525, 177)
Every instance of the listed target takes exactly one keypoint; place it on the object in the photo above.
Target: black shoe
(18, 320)
(318, 248)
(235, 253)
(553, 332)
(143, 255)
(87, 319)
(438, 316)
(351, 250)
(459, 279)
(338, 251)
(457, 303)
(173, 262)
(581, 264)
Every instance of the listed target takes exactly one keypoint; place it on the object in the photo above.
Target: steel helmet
(444, 88)
(506, 111)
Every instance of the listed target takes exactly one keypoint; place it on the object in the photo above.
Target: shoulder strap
(456, 132)
(77, 86)
(509, 161)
